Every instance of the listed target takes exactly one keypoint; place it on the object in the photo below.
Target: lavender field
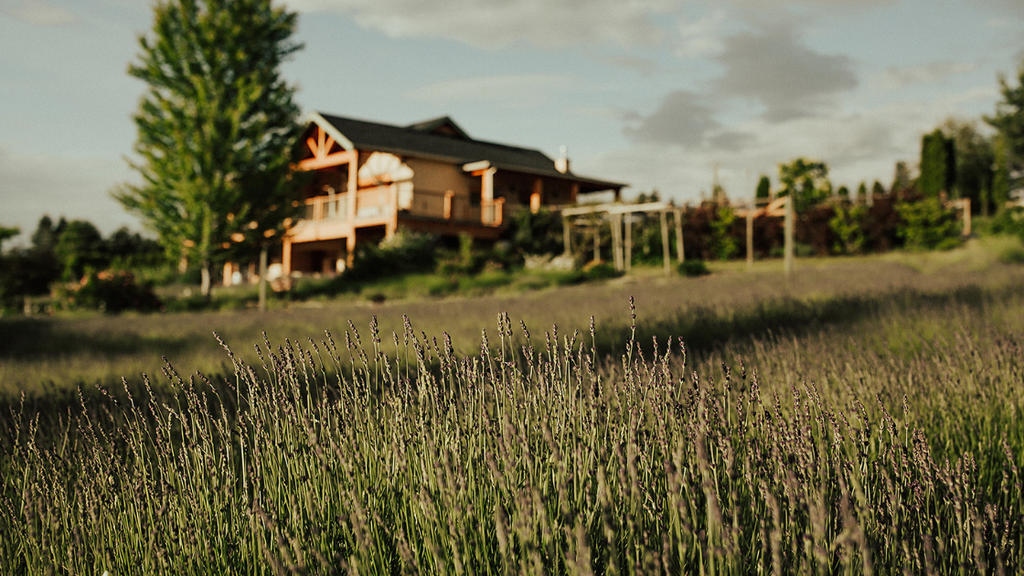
(863, 432)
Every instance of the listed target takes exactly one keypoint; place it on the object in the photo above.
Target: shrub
(693, 268)
(847, 223)
(110, 291)
(928, 225)
(404, 252)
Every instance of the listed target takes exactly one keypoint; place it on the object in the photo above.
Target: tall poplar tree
(938, 164)
(216, 127)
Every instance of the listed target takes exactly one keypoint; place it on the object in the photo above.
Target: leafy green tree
(1009, 121)
(764, 188)
(80, 248)
(216, 127)
(6, 234)
(938, 164)
(806, 181)
(878, 190)
(862, 192)
(843, 192)
(1000, 191)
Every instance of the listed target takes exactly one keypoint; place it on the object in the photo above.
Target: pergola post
(680, 252)
(750, 239)
(616, 222)
(663, 215)
(627, 253)
(790, 224)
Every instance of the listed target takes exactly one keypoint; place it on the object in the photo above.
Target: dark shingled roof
(442, 139)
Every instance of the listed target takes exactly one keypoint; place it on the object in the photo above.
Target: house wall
(435, 176)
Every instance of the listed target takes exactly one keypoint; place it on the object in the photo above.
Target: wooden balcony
(329, 217)
(448, 206)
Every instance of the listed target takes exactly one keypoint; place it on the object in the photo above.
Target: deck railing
(377, 201)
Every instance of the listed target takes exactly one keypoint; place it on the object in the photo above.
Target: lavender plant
(395, 455)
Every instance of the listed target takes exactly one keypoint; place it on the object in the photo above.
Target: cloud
(684, 118)
(39, 13)
(789, 79)
(501, 23)
(700, 37)
(515, 90)
(895, 78)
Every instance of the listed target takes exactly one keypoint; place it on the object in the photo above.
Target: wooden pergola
(622, 238)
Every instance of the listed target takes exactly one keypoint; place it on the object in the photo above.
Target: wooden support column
(567, 235)
(537, 196)
(666, 258)
(750, 239)
(391, 226)
(350, 249)
(353, 186)
(627, 252)
(597, 243)
(286, 257)
(680, 252)
(790, 224)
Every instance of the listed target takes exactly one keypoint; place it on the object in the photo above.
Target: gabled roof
(443, 126)
(442, 139)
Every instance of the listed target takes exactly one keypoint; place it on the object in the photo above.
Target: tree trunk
(263, 278)
(204, 285)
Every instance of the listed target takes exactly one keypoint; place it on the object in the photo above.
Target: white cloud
(701, 37)
(39, 13)
(513, 90)
(895, 78)
(501, 23)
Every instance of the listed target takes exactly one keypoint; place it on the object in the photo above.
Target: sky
(660, 94)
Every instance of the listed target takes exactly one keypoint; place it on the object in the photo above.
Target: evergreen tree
(215, 128)
(764, 188)
(938, 164)
(902, 179)
(862, 192)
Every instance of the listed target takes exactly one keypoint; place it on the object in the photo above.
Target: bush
(928, 225)
(110, 291)
(693, 268)
(403, 253)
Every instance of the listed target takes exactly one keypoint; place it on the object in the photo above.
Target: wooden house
(372, 179)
